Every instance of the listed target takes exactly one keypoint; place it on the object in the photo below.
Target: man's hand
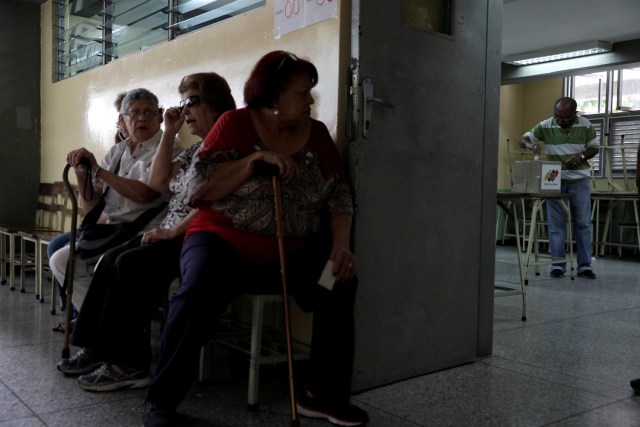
(75, 156)
(525, 142)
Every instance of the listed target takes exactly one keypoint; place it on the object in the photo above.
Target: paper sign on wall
(292, 15)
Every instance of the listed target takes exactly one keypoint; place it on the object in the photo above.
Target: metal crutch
(68, 278)
(285, 294)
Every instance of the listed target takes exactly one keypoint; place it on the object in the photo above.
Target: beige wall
(521, 107)
(79, 111)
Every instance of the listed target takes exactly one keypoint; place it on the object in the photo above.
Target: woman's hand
(173, 120)
(288, 168)
(156, 234)
(344, 262)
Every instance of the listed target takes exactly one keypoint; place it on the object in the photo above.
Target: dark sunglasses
(192, 101)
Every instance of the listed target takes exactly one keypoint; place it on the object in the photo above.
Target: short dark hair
(270, 76)
(566, 100)
(214, 88)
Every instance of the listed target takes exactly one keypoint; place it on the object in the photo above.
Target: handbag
(95, 239)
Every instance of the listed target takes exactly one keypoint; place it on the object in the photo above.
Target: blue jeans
(58, 242)
(580, 205)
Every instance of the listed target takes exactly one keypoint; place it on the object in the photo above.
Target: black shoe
(83, 362)
(587, 274)
(110, 377)
(635, 385)
(557, 272)
(156, 417)
(338, 414)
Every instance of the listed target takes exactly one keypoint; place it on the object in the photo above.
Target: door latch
(369, 99)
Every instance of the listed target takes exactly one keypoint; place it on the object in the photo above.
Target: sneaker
(83, 362)
(155, 416)
(587, 274)
(342, 415)
(557, 272)
(112, 377)
(635, 385)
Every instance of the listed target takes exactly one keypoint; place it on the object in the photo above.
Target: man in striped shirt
(571, 140)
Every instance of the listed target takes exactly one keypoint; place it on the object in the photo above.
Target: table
(508, 201)
(613, 199)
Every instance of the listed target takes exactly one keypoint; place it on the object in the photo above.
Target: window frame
(103, 15)
(608, 164)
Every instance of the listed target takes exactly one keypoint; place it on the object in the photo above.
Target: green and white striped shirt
(561, 146)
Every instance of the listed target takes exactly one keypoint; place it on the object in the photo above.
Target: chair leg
(39, 272)
(12, 263)
(256, 341)
(3, 260)
(23, 265)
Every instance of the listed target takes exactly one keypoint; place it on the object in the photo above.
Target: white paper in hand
(327, 279)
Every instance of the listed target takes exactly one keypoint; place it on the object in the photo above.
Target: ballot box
(537, 177)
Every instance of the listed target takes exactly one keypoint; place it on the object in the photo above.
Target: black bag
(96, 239)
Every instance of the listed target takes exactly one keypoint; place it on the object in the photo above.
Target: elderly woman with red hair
(231, 246)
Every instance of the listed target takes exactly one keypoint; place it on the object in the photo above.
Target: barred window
(91, 33)
(611, 101)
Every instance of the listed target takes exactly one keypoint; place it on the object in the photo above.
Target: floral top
(178, 208)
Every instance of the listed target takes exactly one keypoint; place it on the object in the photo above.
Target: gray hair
(139, 94)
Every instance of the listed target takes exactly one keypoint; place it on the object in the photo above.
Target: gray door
(425, 184)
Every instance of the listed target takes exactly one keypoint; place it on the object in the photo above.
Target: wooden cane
(285, 295)
(68, 278)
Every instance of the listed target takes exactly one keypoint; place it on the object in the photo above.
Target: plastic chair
(263, 345)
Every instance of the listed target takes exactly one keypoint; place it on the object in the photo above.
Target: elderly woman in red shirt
(231, 246)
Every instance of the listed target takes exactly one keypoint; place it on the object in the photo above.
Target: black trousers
(213, 274)
(129, 284)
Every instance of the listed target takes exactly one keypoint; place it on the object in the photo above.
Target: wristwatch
(582, 156)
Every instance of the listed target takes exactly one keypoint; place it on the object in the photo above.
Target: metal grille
(91, 33)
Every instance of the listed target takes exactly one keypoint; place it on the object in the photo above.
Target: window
(91, 33)
(429, 15)
(591, 90)
(628, 95)
(611, 101)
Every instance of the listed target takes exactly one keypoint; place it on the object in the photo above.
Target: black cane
(68, 278)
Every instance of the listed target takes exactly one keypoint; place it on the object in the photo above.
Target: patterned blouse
(178, 209)
(246, 217)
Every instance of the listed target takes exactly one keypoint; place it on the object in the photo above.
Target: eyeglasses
(134, 114)
(192, 101)
(564, 118)
(290, 56)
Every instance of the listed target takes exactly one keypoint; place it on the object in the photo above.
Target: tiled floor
(569, 364)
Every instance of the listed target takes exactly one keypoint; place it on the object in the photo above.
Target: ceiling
(530, 25)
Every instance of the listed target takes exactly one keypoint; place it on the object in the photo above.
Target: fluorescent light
(560, 52)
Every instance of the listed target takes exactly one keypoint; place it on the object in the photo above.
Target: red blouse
(246, 217)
